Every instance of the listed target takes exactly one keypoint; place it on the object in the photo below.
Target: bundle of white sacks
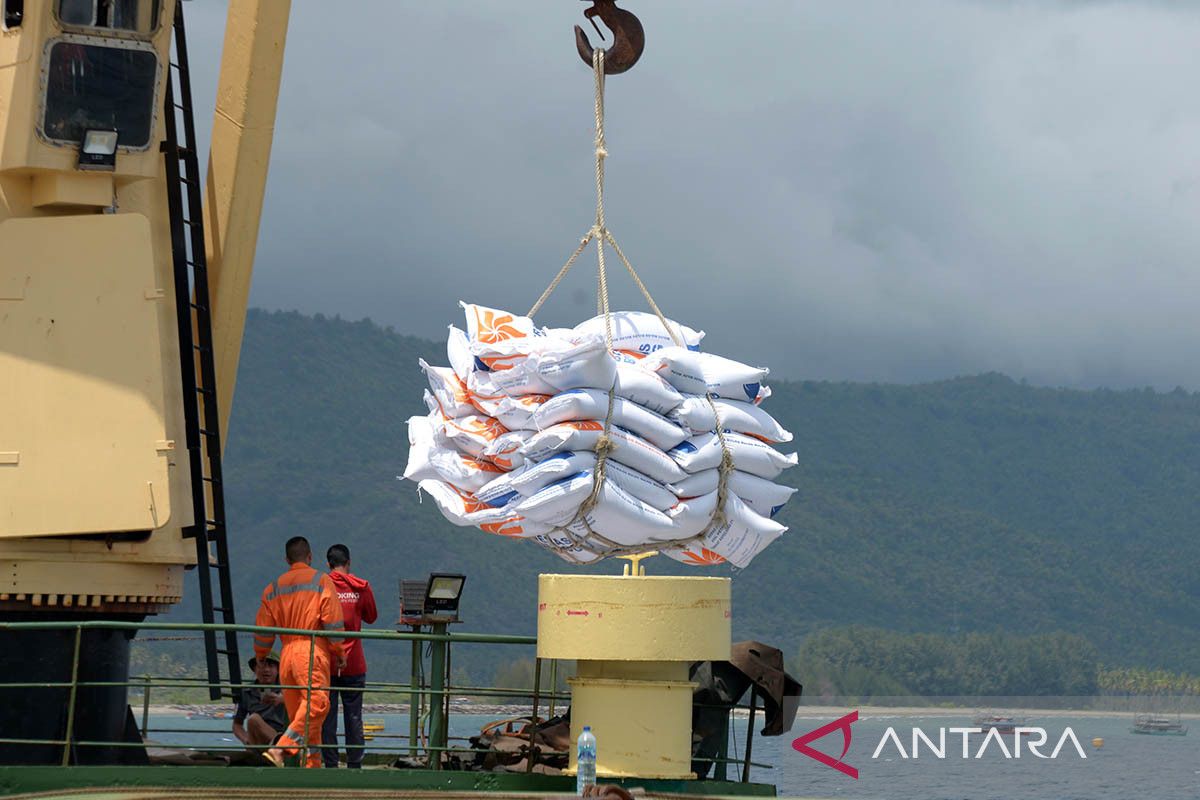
(509, 442)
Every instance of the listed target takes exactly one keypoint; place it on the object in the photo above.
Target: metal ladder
(200, 412)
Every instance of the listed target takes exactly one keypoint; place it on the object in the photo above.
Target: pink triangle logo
(801, 745)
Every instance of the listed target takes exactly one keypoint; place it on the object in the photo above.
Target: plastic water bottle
(585, 761)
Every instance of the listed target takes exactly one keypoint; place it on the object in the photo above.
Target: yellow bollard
(633, 638)
(1097, 743)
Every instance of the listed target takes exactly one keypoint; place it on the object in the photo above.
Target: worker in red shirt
(306, 599)
(358, 606)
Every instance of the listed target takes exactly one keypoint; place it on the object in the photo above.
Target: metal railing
(428, 696)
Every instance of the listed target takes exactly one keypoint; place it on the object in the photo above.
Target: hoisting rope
(600, 233)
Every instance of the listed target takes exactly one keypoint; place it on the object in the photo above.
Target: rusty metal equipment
(629, 40)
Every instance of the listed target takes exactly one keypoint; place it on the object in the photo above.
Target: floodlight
(98, 151)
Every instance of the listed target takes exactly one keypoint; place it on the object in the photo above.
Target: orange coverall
(306, 599)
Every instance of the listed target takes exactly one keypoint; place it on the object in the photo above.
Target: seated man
(261, 716)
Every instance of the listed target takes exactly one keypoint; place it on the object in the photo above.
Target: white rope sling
(600, 233)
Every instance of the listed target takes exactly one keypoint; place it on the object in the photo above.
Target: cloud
(865, 190)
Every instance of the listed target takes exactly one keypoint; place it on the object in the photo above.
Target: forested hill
(972, 504)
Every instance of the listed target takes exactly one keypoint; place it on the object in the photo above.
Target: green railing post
(437, 698)
(66, 756)
(414, 697)
(553, 686)
(146, 706)
(312, 652)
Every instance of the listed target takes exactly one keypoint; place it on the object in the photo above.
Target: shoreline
(804, 712)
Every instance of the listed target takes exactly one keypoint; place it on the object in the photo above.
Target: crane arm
(243, 129)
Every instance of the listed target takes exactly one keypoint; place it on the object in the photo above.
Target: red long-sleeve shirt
(358, 606)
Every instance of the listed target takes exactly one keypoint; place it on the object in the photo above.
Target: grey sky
(849, 190)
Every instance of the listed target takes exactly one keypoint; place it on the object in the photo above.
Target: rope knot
(604, 446)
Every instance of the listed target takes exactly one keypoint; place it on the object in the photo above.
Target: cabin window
(134, 16)
(99, 87)
(13, 13)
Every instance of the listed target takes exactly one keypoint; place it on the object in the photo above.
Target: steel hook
(629, 40)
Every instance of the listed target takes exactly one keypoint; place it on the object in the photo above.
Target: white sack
(696, 414)
(640, 332)
(565, 548)
(420, 450)
(645, 388)
(450, 390)
(499, 491)
(491, 325)
(583, 404)
(557, 503)
(463, 471)
(505, 450)
(738, 541)
(643, 487)
(458, 352)
(584, 363)
(749, 455)
(527, 480)
(617, 515)
(471, 433)
(515, 377)
(704, 373)
(515, 413)
(760, 494)
(463, 509)
(554, 468)
(631, 450)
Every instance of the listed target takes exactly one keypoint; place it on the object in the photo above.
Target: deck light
(98, 151)
(431, 601)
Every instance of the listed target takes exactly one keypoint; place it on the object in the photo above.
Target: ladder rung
(206, 432)
(198, 307)
(216, 481)
(220, 610)
(203, 390)
(213, 522)
(201, 348)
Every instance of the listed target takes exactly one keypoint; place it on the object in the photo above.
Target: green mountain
(974, 504)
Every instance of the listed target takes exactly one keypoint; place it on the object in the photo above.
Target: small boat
(372, 727)
(210, 715)
(1156, 725)
(1001, 723)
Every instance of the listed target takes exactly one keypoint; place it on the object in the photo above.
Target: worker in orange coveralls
(306, 599)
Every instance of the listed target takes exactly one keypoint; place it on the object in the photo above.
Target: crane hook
(629, 40)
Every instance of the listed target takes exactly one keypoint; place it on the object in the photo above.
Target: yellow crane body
(94, 491)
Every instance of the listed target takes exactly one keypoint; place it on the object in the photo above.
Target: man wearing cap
(261, 717)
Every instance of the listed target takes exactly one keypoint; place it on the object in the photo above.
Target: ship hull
(100, 713)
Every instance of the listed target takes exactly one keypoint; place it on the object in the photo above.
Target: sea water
(1128, 766)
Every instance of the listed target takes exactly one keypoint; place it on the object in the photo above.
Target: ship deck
(225, 783)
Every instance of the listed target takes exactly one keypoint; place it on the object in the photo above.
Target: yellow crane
(124, 277)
